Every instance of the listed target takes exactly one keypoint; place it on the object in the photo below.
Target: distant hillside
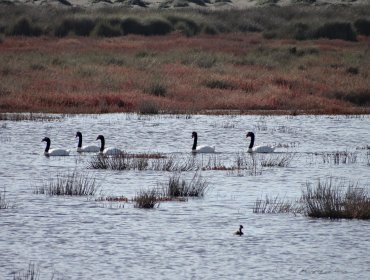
(166, 4)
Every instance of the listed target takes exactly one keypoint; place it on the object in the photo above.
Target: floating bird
(107, 151)
(85, 149)
(239, 231)
(258, 149)
(200, 149)
(53, 152)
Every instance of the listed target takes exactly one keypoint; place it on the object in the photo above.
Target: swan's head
(46, 139)
(250, 134)
(78, 134)
(240, 227)
(194, 135)
(100, 137)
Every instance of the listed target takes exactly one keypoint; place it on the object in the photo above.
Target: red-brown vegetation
(242, 72)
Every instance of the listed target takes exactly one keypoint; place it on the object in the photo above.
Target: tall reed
(69, 184)
(334, 199)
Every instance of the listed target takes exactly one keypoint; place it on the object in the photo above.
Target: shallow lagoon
(80, 238)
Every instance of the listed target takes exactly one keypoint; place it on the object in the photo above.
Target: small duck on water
(239, 231)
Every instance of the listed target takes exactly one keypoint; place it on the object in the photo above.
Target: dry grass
(134, 162)
(69, 184)
(178, 187)
(335, 199)
(239, 72)
(275, 205)
(3, 202)
(146, 199)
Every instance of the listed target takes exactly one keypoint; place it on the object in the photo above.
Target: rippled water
(79, 238)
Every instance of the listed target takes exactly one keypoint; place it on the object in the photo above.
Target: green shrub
(132, 25)
(362, 26)
(219, 84)
(23, 27)
(188, 26)
(157, 89)
(336, 30)
(157, 26)
(77, 26)
(147, 107)
(105, 29)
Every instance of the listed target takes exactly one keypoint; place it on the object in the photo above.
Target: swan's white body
(53, 152)
(204, 149)
(201, 149)
(57, 152)
(258, 149)
(261, 149)
(87, 148)
(111, 151)
(107, 151)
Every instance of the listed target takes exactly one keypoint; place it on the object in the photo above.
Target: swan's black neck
(240, 230)
(252, 141)
(195, 142)
(79, 140)
(102, 140)
(47, 145)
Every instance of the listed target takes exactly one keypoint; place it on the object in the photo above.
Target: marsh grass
(335, 199)
(340, 157)
(29, 117)
(275, 205)
(3, 202)
(154, 162)
(179, 187)
(32, 273)
(69, 184)
(278, 160)
(146, 199)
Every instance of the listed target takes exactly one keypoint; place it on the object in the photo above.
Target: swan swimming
(107, 151)
(85, 149)
(53, 152)
(258, 149)
(200, 149)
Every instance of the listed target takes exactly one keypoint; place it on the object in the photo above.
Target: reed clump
(125, 161)
(32, 273)
(3, 202)
(275, 205)
(280, 160)
(179, 187)
(334, 199)
(340, 157)
(146, 199)
(69, 184)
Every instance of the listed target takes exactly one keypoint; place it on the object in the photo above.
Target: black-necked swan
(53, 152)
(107, 151)
(239, 231)
(200, 149)
(85, 149)
(258, 149)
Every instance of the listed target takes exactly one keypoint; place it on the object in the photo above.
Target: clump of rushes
(72, 184)
(3, 203)
(154, 162)
(32, 273)
(275, 205)
(277, 160)
(146, 199)
(178, 187)
(334, 199)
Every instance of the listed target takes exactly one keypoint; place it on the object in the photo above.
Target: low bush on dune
(362, 26)
(336, 30)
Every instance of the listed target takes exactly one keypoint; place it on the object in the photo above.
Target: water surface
(80, 238)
